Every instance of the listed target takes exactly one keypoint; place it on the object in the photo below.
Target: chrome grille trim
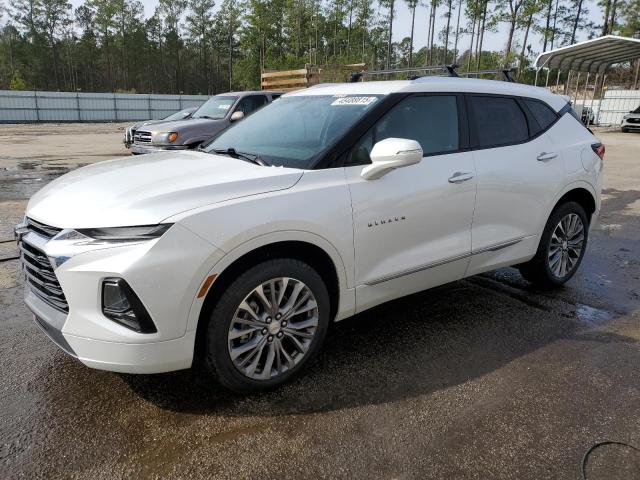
(42, 229)
(40, 277)
(30, 254)
(141, 137)
(49, 288)
(41, 274)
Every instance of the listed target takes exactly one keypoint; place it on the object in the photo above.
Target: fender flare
(346, 300)
(563, 191)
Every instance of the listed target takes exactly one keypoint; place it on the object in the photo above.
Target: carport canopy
(593, 56)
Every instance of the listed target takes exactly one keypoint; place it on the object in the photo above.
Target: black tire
(625, 130)
(537, 270)
(217, 356)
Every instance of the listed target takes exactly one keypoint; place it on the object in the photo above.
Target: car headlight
(125, 234)
(625, 117)
(164, 138)
(70, 242)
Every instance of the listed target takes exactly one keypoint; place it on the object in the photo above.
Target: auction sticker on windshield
(354, 101)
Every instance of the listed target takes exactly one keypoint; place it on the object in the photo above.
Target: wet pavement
(482, 378)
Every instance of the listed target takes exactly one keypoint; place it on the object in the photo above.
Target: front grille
(42, 229)
(633, 120)
(38, 270)
(142, 137)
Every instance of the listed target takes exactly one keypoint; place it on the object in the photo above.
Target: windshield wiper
(207, 117)
(249, 157)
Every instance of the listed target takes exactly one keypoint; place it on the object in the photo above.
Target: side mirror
(389, 154)
(237, 115)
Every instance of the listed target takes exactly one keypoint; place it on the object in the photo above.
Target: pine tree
(17, 82)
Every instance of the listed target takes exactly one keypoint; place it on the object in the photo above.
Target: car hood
(187, 128)
(144, 123)
(147, 189)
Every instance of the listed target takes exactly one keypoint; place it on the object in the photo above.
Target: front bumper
(139, 149)
(630, 125)
(165, 273)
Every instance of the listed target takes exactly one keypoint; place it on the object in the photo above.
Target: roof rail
(450, 69)
(505, 71)
(356, 76)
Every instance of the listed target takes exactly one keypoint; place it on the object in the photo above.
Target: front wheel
(267, 325)
(561, 247)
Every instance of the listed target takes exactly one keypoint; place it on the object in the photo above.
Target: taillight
(599, 149)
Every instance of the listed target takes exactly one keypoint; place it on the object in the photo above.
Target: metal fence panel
(20, 107)
(617, 103)
(593, 104)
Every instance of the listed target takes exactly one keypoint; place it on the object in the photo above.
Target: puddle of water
(591, 315)
(23, 179)
(22, 184)
(610, 228)
(29, 165)
(48, 167)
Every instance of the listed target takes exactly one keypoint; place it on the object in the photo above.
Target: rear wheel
(561, 247)
(268, 324)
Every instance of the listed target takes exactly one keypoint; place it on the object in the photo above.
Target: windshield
(293, 130)
(215, 107)
(178, 115)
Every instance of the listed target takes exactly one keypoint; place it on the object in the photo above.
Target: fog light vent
(122, 305)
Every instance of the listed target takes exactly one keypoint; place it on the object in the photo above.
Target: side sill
(490, 248)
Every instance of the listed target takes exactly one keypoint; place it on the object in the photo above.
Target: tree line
(196, 46)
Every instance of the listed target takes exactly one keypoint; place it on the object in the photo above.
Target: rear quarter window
(542, 113)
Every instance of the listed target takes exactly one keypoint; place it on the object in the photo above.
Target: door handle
(544, 156)
(460, 177)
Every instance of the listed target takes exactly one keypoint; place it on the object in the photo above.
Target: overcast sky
(402, 26)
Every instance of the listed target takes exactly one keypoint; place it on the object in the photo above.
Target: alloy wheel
(565, 247)
(273, 328)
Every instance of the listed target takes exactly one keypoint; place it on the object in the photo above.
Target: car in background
(179, 115)
(631, 121)
(212, 117)
(588, 117)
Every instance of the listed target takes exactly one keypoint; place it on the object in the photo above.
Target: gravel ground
(482, 378)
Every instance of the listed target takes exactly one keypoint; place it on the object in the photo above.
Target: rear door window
(497, 121)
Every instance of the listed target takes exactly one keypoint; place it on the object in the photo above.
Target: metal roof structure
(591, 56)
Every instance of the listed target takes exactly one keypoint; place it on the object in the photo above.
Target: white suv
(631, 121)
(323, 204)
